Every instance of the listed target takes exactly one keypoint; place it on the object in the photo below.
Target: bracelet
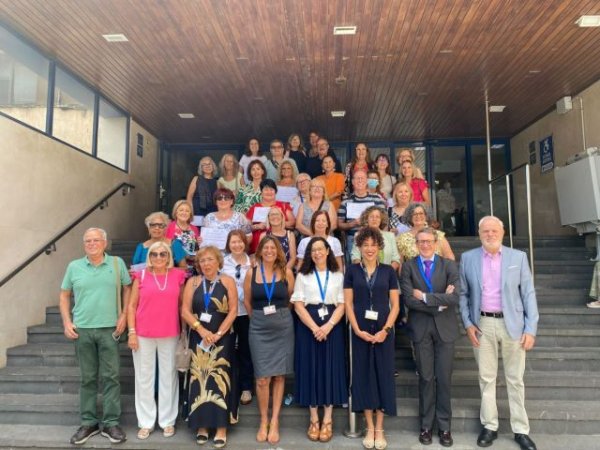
(388, 330)
(332, 323)
(219, 333)
(196, 324)
(131, 333)
(132, 329)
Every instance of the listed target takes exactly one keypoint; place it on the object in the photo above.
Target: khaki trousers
(494, 338)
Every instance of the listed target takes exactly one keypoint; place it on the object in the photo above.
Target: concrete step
(559, 266)
(546, 416)
(573, 316)
(570, 281)
(53, 355)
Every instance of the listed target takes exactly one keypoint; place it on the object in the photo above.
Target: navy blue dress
(373, 385)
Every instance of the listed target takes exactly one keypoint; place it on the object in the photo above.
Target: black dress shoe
(425, 436)
(445, 438)
(486, 437)
(525, 442)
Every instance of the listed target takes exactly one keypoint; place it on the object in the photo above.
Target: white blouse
(229, 268)
(333, 242)
(307, 290)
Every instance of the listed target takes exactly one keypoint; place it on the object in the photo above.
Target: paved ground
(242, 438)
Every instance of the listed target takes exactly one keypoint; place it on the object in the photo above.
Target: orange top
(335, 183)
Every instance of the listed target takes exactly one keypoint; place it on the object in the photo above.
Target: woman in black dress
(202, 187)
(371, 296)
(209, 307)
(267, 290)
(320, 344)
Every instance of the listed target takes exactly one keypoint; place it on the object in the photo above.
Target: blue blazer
(519, 304)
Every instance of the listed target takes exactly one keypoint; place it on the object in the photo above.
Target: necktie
(428, 264)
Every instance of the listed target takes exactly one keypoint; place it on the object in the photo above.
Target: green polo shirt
(95, 291)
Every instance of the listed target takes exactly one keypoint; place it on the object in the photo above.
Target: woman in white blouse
(318, 299)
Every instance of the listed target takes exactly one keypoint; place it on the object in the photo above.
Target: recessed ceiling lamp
(340, 113)
(535, 71)
(588, 21)
(186, 115)
(115, 37)
(497, 108)
(445, 51)
(344, 30)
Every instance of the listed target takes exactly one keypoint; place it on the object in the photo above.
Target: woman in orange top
(335, 182)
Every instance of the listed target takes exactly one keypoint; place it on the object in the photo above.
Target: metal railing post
(351, 431)
(510, 228)
(529, 221)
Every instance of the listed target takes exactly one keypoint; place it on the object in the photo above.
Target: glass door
(481, 196)
(449, 190)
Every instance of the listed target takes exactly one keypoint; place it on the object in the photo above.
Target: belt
(497, 315)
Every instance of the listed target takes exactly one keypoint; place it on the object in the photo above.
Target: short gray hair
(492, 218)
(428, 230)
(160, 214)
(99, 230)
(410, 209)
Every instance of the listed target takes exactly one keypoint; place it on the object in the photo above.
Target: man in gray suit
(430, 290)
(499, 311)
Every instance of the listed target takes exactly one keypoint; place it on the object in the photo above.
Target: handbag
(183, 354)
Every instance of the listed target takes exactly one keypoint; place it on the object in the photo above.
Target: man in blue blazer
(499, 312)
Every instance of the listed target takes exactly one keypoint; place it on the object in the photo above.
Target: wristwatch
(388, 330)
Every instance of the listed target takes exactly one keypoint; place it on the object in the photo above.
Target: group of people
(274, 300)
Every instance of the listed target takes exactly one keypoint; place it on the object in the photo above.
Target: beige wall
(45, 186)
(566, 132)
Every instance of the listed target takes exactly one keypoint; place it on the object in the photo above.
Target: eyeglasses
(426, 241)
(206, 260)
(224, 197)
(302, 181)
(159, 254)
(317, 249)
(418, 214)
(92, 241)
(157, 225)
(238, 271)
(206, 165)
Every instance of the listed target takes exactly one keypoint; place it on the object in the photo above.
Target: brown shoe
(313, 431)
(326, 432)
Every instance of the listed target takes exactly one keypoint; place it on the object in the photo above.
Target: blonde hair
(293, 167)
(397, 187)
(278, 209)
(156, 246)
(319, 183)
(236, 164)
(180, 203)
(209, 249)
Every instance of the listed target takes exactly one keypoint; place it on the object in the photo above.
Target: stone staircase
(40, 383)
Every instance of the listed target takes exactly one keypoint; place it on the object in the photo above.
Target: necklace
(157, 283)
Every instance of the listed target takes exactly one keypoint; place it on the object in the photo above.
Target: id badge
(271, 309)
(204, 346)
(371, 315)
(205, 317)
(323, 312)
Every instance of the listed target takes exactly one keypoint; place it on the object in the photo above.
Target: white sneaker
(595, 304)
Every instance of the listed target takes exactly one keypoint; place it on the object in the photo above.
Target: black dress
(203, 197)
(373, 386)
(212, 393)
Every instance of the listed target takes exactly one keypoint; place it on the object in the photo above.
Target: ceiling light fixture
(445, 51)
(588, 21)
(186, 115)
(535, 71)
(497, 108)
(119, 37)
(344, 30)
(340, 113)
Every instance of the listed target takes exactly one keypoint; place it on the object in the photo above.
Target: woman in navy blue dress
(320, 344)
(371, 297)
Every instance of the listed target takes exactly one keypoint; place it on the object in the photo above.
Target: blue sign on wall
(547, 154)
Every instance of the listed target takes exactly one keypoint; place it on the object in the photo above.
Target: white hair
(99, 230)
(493, 218)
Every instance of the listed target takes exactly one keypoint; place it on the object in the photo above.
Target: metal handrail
(507, 176)
(50, 246)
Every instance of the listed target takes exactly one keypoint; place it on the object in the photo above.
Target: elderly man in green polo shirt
(97, 323)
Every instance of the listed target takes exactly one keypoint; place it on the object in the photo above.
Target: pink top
(157, 314)
(491, 275)
(173, 231)
(418, 186)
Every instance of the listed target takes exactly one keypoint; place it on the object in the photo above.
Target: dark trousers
(246, 371)
(98, 357)
(434, 362)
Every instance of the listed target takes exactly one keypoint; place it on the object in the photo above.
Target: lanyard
(301, 198)
(322, 291)
(370, 281)
(269, 288)
(207, 294)
(427, 280)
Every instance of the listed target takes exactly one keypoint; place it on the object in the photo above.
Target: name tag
(323, 312)
(271, 309)
(371, 315)
(205, 317)
(204, 346)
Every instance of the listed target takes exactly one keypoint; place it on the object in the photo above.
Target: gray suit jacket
(519, 304)
(445, 273)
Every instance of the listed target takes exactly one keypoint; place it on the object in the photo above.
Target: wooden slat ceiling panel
(416, 69)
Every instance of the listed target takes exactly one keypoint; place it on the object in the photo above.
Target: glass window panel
(481, 196)
(112, 135)
(340, 153)
(73, 111)
(23, 81)
(420, 158)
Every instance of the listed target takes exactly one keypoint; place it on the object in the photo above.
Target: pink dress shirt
(491, 274)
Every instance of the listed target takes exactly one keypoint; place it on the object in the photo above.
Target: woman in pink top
(181, 228)
(153, 321)
(418, 185)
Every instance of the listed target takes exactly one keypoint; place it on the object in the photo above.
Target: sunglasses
(157, 225)
(159, 254)
(238, 271)
(224, 197)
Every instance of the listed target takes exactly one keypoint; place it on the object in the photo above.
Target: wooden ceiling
(415, 69)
